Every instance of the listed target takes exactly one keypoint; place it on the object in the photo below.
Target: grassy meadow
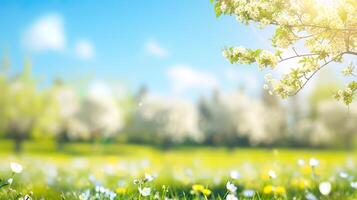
(114, 171)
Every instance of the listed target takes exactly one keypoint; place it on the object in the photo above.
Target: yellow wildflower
(268, 189)
(306, 170)
(280, 190)
(265, 176)
(206, 192)
(304, 183)
(121, 190)
(197, 187)
(300, 183)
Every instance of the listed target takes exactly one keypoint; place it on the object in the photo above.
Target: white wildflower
(15, 167)
(84, 195)
(325, 188)
(272, 174)
(343, 175)
(301, 162)
(231, 197)
(26, 197)
(314, 162)
(235, 174)
(310, 196)
(149, 177)
(145, 191)
(354, 184)
(248, 193)
(231, 187)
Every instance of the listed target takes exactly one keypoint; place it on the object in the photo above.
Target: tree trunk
(95, 139)
(166, 144)
(60, 141)
(18, 144)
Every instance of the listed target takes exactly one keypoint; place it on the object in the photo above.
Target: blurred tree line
(59, 113)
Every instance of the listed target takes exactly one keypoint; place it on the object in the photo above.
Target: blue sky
(172, 47)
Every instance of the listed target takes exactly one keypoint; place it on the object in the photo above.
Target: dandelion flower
(235, 174)
(231, 187)
(325, 188)
(146, 191)
(121, 190)
(197, 187)
(280, 190)
(303, 183)
(301, 162)
(149, 177)
(272, 174)
(354, 184)
(343, 175)
(206, 192)
(15, 167)
(314, 162)
(268, 189)
(248, 193)
(310, 196)
(231, 197)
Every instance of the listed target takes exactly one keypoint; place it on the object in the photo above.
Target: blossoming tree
(164, 121)
(60, 106)
(234, 118)
(327, 30)
(101, 115)
(20, 106)
(340, 126)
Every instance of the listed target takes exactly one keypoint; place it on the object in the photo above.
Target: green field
(50, 174)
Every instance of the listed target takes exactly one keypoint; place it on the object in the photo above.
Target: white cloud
(46, 33)
(184, 77)
(84, 49)
(231, 75)
(252, 81)
(98, 88)
(155, 49)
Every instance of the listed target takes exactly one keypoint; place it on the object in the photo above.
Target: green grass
(51, 174)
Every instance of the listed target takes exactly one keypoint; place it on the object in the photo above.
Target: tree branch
(297, 56)
(351, 53)
(352, 29)
(322, 66)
